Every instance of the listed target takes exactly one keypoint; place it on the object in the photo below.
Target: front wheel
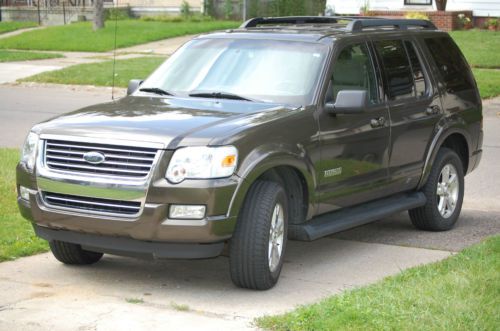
(444, 191)
(259, 241)
(68, 253)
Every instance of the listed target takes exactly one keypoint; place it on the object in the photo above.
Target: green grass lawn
(12, 26)
(10, 56)
(16, 234)
(488, 81)
(81, 37)
(100, 74)
(459, 293)
(480, 47)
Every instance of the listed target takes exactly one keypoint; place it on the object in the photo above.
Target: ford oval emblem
(94, 157)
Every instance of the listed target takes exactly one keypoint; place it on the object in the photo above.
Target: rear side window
(417, 71)
(398, 75)
(453, 69)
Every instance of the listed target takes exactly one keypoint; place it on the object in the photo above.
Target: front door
(354, 147)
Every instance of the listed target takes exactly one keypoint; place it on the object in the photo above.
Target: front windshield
(262, 70)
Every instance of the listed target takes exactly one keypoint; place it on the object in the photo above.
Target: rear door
(354, 151)
(414, 106)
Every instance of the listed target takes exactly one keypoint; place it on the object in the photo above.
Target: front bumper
(151, 227)
(132, 247)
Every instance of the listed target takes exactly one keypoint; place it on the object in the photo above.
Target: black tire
(428, 216)
(249, 247)
(73, 254)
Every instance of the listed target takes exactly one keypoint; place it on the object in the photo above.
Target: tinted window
(266, 70)
(397, 72)
(353, 70)
(416, 68)
(452, 67)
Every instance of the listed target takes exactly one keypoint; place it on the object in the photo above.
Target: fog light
(187, 212)
(24, 192)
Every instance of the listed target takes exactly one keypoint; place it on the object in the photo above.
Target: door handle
(432, 110)
(377, 122)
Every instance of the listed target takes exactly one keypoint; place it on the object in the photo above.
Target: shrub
(493, 22)
(185, 9)
(228, 9)
(417, 15)
(176, 19)
(119, 13)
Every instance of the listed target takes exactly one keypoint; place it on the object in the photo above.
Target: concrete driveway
(39, 293)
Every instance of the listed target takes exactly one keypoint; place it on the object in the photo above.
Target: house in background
(158, 7)
(478, 10)
(57, 12)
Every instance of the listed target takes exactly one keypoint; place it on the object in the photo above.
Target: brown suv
(293, 127)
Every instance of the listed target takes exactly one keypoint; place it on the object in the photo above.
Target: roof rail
(402, 24)
(356, 23)
(253, 22)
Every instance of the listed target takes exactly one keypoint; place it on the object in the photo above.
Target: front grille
(79, 203)
(123, 161)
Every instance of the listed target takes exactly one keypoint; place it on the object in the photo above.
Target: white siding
(479, 7)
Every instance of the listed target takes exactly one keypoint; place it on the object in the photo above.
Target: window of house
(353, 70)
(398, 76)
(451, 65)
(418, 2)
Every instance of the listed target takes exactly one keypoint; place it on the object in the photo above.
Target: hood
(168, 121)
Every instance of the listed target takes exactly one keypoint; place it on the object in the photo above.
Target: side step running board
(347, 218)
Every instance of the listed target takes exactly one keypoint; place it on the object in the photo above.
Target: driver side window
(353, 70)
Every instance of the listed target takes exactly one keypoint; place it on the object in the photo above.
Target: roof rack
(356, 23)
(401, 24)
(254, 22)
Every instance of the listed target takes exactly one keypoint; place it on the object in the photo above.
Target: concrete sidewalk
(40, 293)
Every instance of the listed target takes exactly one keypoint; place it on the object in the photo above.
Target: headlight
(202, 163)
(28, 155)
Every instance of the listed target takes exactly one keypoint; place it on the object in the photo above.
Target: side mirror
(348, 102)
(133, 85)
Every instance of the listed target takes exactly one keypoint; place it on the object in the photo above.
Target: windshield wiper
(219, 95)
(155, 90)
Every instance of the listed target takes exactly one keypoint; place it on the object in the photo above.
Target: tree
(98, 14)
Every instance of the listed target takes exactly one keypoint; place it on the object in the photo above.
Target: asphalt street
(22, 107)
(40, 293)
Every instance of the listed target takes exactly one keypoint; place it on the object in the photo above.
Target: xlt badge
(333, 172)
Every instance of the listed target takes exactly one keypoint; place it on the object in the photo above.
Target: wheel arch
(279, 166)
(455, 138)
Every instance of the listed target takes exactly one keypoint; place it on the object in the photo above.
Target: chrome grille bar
(122, 161)
(80, 203)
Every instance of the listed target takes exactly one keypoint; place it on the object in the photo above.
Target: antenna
(114, 54)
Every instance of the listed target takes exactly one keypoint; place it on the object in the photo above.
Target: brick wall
(444, 20)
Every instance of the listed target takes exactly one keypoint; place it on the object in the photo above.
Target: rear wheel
(444, 191)
(68, 253)
(259, 241)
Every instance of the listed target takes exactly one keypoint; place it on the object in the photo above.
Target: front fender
(266, 157)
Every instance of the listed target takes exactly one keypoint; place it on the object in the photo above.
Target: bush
(492, 22)
(185, 9)
(228, 9)
(176, 19)
(256, 8)
(417, 16)
(119, 13)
